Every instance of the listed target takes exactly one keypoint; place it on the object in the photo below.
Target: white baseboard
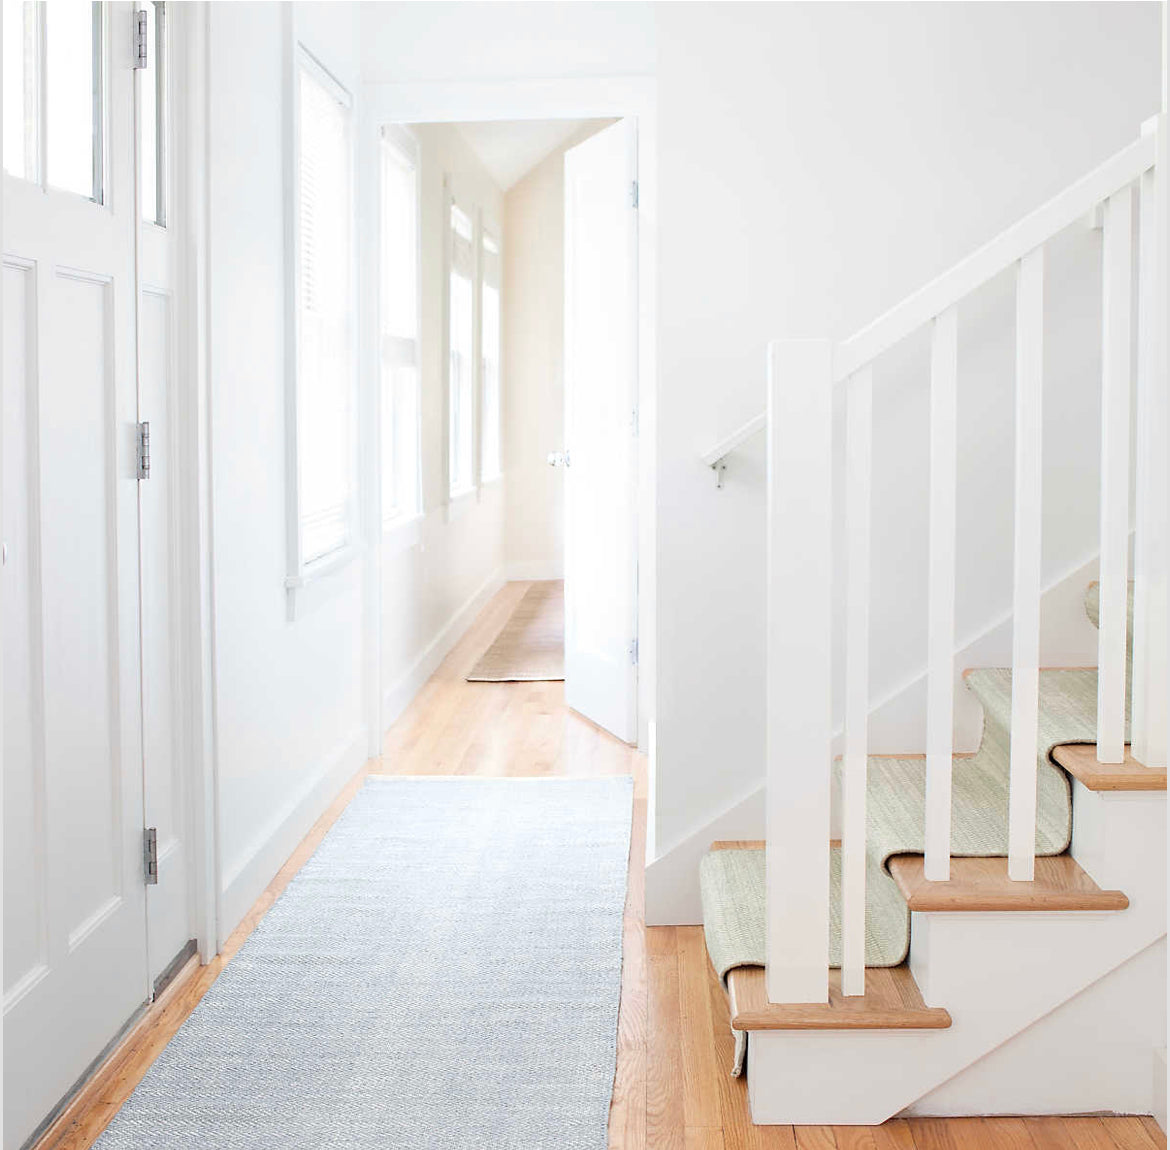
(247, 880)
(399, 695)
(896, 726)
(672, 880)
(533, 569)
(1160, 1087)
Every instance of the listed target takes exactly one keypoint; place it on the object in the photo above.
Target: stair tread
(982, 884)
(892, 1001)
(1080, 760)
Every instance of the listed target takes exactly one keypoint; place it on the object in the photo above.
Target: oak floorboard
(1130, 1134)
(1087, 1134)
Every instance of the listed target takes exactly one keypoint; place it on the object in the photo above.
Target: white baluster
(940, 688)
(1150, 537)
(1026, 578)
(798, 749)
(1116, 369)
(858, 455)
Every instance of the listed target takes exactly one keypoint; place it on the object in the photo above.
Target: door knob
(559, 459)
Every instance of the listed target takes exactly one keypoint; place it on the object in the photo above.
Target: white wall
(404, 42)
(534, 392)
(817, 162)
(436, 573)
(288, 695)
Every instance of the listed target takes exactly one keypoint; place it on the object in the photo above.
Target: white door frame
(456, 102)
(193, 532)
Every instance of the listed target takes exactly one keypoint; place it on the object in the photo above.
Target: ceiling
(510, 149)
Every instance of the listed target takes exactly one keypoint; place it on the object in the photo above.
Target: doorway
(509, 361)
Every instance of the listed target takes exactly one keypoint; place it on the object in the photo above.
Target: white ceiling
(510, 149)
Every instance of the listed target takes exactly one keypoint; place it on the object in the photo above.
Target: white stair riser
(1093, 1053)
(997, 973)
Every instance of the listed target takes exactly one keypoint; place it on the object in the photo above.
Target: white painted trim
(279, 837)
(398, 696)
(189, 214)
(1159, 1092)
(534, 570)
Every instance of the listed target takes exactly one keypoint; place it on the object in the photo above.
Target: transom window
(54, 87)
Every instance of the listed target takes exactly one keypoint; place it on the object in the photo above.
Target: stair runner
(732, 881)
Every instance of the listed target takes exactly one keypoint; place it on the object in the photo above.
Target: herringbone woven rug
(444, 973)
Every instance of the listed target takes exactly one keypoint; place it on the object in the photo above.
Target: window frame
(489, 230)
(301, 572)
(456, 497)
(159, 70)
(400, 139)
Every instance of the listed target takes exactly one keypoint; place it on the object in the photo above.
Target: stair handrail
(969, 274)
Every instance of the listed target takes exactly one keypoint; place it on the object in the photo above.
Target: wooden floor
(672, 1090)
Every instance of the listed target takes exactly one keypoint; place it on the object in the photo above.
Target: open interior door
(601, 426)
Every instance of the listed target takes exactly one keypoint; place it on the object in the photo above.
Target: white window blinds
(461, 357)
(324, 354)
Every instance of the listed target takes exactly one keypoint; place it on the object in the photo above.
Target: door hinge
(140, 32)
(144, 450)
(634, 194)
(634, 651)
(150, 855)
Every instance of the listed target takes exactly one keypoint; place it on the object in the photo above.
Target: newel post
(798, 668)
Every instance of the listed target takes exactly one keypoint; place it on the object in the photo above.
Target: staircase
(988, 935)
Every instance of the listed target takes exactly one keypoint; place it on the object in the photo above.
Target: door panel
(601, 379)
(75, 915)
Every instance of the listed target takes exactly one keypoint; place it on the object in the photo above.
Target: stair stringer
(996, 973)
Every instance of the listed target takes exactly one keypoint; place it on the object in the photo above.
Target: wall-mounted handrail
(970, 273)
(718, 454)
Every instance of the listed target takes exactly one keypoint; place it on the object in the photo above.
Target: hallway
(672, 1090)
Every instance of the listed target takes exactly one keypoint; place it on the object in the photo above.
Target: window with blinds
(325, 479)
(489, 450)
(399, 326)
(461, 353)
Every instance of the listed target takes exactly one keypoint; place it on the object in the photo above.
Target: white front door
(601, 397)
(75, 967)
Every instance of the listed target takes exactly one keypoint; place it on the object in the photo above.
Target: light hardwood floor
(672, 1090)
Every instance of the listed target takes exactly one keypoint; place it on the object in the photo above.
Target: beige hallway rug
(531, 646)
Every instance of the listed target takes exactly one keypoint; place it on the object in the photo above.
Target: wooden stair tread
(1080, 760)
(892, 1001)
(738, 845)
(983, 884)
